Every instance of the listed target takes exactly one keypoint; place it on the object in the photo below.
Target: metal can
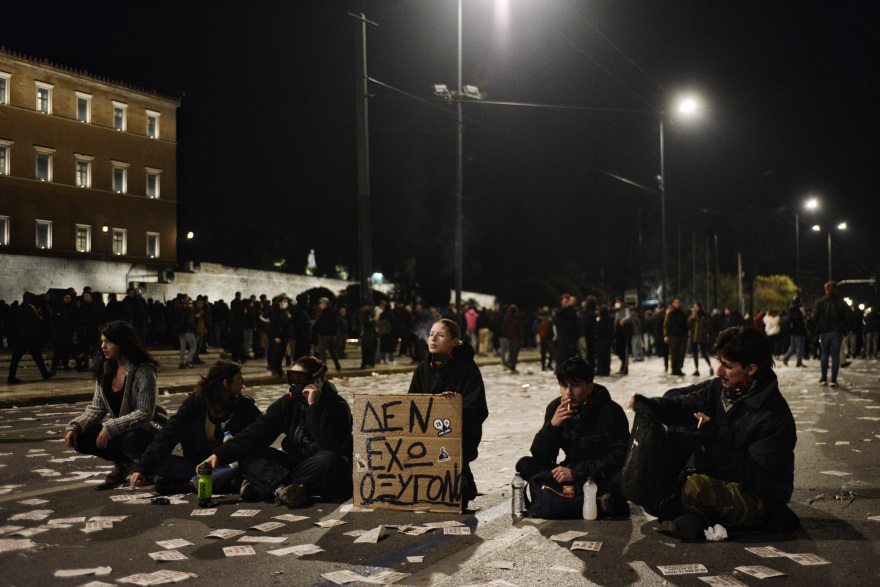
(568, 491)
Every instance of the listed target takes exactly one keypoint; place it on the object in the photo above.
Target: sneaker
(823, 382)
(248, 492)
(117, 476)
(293, 496)
(696, 373)
(785, 362)
(182, 366)
(688, 528)
(13, 380)
(833, 384)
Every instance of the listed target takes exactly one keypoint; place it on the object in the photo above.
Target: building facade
(87, 167)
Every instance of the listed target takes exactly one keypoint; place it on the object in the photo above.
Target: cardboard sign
(407, 452)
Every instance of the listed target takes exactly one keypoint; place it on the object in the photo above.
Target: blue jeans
(830, 343)
(797, 346)
(225, 478)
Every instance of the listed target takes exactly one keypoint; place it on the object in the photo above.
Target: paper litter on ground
(682, 569)
(447, 524)
(299, 549)
(224, 533)
(723, 581)
(583, 545)
(836, 473)
(759, 572)
(167, 555)
(766, 551)
(98, 572)
(415, 559)
(244, 513)
(329, 523)
(807, 558)
(290, 517)
(265, 539)
(238, 550)
(457, 531)
(566, 536)
(267, 526)
(372, 536)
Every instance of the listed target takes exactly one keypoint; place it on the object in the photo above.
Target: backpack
(544, 499)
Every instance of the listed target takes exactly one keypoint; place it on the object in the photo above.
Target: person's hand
(277, 340)
(211, 460)
(70, 438)
(701, 418)
(137, 480)
(102, 440)
(632, 403)
(448, 394)
(562, 475)
(312, 393)
(562, 414)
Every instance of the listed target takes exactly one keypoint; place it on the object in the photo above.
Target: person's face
(200, 304)
(733, 375)
(235, 385)
(676, 304)
(440, 340)
(130, 293)
(87, 298)
(576, 391)
(67, 298)
(110, 350)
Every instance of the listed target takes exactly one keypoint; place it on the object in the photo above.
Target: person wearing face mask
(591, 429)
(216, 407)
(741, 474)
(315, 455)
(124, 415)
(449, 370)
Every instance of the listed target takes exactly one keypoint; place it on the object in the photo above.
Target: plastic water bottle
(517, 489)
(205, 488)
(227, 436)
(590, 491)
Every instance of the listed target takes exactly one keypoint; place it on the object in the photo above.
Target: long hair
(211, 390)
(122, 335)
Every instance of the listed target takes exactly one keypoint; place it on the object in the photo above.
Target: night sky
(267, 130)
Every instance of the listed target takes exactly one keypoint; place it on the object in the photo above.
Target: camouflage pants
(722, 503)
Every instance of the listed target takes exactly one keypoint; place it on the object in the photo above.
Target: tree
(773, 292)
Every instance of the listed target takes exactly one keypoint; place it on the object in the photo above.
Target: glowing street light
(190, 235)
(811, 205)
(817, 228)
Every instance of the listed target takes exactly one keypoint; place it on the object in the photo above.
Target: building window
(4, 87)
(83, 238)
(120, 111)
(44, 98)
(83, 170)
(120, 236)
(120, 177)
(4, 231)
(152, 124)
(5, 150)
(153, 245)
(153, 182)
(44, 163)
(44, 234)
(83, 107)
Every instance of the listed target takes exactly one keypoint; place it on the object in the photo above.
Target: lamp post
(811, 204)
(817, 228)
(687, 107)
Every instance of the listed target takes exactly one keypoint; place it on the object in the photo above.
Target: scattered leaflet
(836, 473)
(33, 515)
(766, 551)
(373, 536)
(759, 572)
(299, 550)
(723, 581)
(98, 572)
(448, 524)
(167, 555)
(34, 501)
(682, 569)
(384, 578)
(225, 533)
(342, 577)
(290, 517)
(268, 526)
(7, 545)
(204, 512)
(583, 545)
(244, 513)
(157, 578)
(457, 531)
(415, 559)
(414, 530)
(269, 539)
(7, 529)
(238, 550)
(566, 536)
(808, 559)
(172, 544)
(329, 523)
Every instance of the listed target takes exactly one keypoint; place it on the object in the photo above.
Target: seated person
(315, 459)
(124, 415)
(743, 466)
(592, 431)
(199, 426)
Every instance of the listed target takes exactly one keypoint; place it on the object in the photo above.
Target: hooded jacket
(594, 442)
(462, 375)
(324, 425)
(752, 443)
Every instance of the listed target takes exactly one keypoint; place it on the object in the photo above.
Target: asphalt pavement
(836, 491)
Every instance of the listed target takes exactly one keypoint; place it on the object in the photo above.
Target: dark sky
(267, 129)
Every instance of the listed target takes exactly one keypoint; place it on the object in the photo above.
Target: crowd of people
(740, 457)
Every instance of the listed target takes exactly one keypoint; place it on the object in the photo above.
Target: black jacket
(187, 428)
(831, 314)
(594, 443)
(461, 375)
(325, 425)
(751, 444)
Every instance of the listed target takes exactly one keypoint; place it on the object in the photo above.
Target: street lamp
(811, 204)
(469, 92)
(817, 228)
(688, 107)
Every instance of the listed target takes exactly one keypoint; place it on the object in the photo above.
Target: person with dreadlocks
(216, 407)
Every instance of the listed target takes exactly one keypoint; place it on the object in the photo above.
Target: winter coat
(675, 323)
(462, 375)
(139, 408)
(831, 314)
(751, 444)
(188, 428)
(796, 321)
(594, 442)
(308, 429)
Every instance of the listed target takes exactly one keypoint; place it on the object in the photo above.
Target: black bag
(544, 499)
(654, 460)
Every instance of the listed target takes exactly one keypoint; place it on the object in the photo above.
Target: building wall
(25, 199)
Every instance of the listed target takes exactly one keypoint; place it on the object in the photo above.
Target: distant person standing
(567, 329)
(29, 325)
(831, 316)
(326, 329)
(797, 333)
(675, 335)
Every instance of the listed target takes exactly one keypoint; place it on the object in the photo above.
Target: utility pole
(365, 229)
